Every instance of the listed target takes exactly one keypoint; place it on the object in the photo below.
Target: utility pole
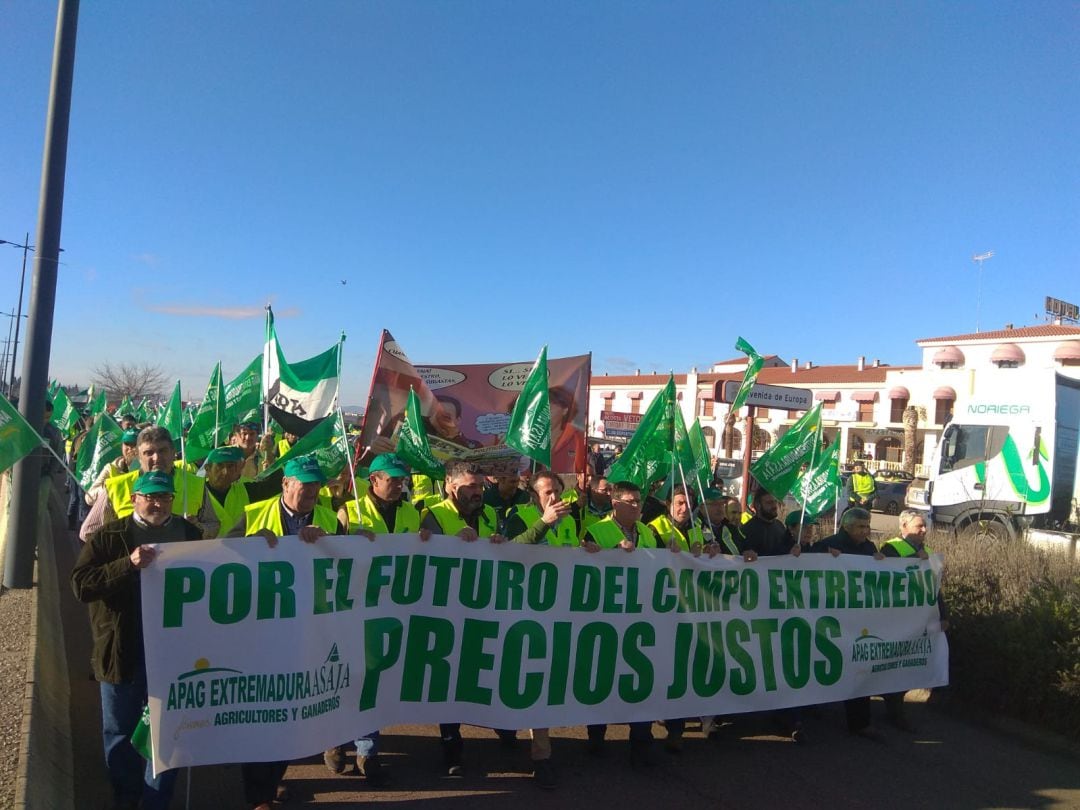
(23, 525)
(26, 248)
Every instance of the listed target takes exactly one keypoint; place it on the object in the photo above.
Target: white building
(864, 402)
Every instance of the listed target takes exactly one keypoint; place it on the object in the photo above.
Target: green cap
(131, 436)
(792, 519)
(222, 455)
(305, 470)
(154, 482)
(390, 464)
(712, 494)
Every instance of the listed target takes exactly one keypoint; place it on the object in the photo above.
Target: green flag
(17, 438)
(529, 431)
(780, 465)
(753, 366)
(684, 450)
(171, 417)
(142, 411)
(647, 456)
(141, 738)
(700, 447)
(65, 415)
(208, 429)
(412, 445)
(99, 449)
(819, 485)
(326, 441)
(99, 402)
(124, 407)
(243, 396)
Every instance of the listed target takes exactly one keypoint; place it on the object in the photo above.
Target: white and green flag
(299, 395)
(99, 449)
(529, 431)
(780, 465)
(243, 396)
(17, 438)
(65, 415)
(819, 485)
(208, 428)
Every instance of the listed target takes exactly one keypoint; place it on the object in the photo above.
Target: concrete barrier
(46, 770)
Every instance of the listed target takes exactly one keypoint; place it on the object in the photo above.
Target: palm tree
(913, 414)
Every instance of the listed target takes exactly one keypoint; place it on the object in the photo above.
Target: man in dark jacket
(854, 538)
(106, 576)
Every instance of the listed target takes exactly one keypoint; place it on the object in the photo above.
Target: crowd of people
(149, 496)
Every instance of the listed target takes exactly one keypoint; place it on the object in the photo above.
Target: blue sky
(643, 180)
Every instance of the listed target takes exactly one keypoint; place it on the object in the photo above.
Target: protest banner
(466, 408)
(256, 653)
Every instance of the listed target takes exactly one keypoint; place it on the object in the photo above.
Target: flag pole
(345, 433)
(813, 461)
(183, 456)
(266, 369)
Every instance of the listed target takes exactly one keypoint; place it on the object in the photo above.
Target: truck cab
(1007, 461)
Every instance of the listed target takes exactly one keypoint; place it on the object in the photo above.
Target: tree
(134, 380)
(913, 414)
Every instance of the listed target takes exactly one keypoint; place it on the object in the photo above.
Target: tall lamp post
(26, 248)
(979, 258)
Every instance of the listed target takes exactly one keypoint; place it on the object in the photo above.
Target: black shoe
(595, 746)
(798, 735)
(334, 760)
(544, 774)
(901, 722)
(507, 739)
(455, 771)
(371, 768)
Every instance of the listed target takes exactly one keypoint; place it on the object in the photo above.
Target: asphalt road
(947, 763)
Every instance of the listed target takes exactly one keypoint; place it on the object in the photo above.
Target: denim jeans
(131, 776)
(368, 745)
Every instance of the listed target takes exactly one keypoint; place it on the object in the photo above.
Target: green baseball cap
(712, 494)
(305, 470)
(131, 436)
(222, 455)
(390, 464)
(154, 482)
(793, 518)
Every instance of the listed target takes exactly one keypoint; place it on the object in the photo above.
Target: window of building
(795, 414)
(896, 410)
(943, 411)
(828, 406)
(609, 403)
(706, 407)
(866, 412)
(710, 436)
(635, 406)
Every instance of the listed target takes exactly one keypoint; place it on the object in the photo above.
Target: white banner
(256, 654)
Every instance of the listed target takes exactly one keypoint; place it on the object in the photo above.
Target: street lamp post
(26, 248)
(979, 258)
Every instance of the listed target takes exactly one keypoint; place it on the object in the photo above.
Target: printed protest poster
(466, 407)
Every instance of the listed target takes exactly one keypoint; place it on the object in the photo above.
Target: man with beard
(462, 513)
(383, 509)
(295, 512)
(597, 503)
(677, 528)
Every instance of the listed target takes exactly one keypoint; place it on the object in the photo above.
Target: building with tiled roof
(863, 402)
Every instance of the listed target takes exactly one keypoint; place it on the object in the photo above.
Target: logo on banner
(884, 654)
(240, 698)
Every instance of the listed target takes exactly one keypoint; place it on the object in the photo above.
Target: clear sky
(643, 180)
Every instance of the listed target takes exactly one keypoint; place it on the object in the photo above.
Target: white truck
(1007, 462)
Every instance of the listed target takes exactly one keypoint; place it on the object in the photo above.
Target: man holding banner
(462, 513)
(106, 576)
